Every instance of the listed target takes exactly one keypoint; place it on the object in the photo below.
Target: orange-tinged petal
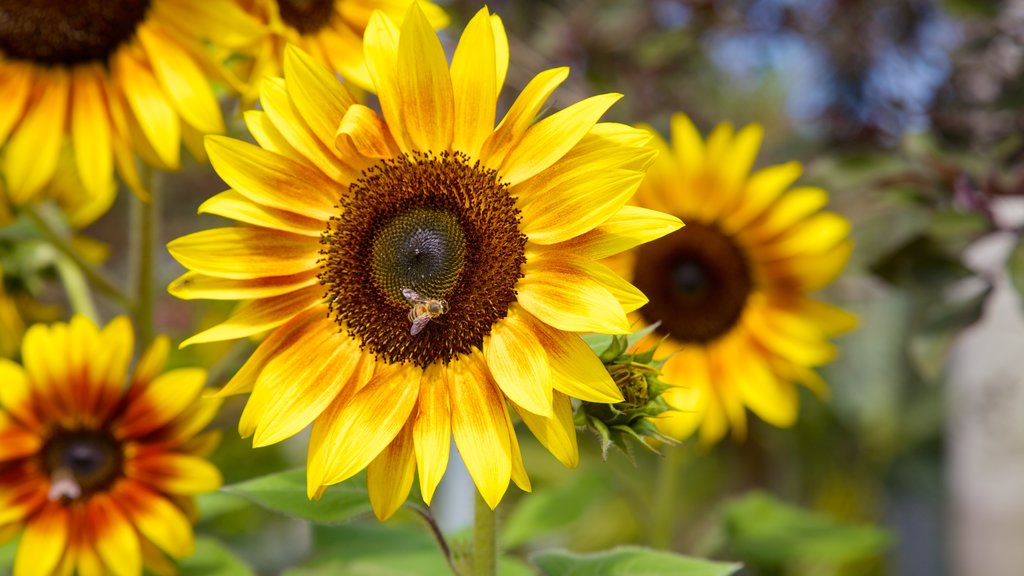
(174, 473)
(629, 227)
(432, 430)
(575, 369)
(31, 154)
(234, 205)
(521, 115)
(425, 85)
(296, 389)
(15, 441)
(16, 394)
(260, 315)
(557, 433)
(116, 541)
(166, 397)
(363, 133)
(43, 542)
(474, 80)
(318, 96)
(518, 363)
(479, 427)
(562, 293)
(364, 425)
(549, 139)
(389, 476)
(273, 180)
(192, 285)
(519, 475)
(152, 362)
(91, 131)
(15, 83)
(269, 137)
(159, 520)
(148, 102)
(242, 252)
(182, 80)
(380, 47)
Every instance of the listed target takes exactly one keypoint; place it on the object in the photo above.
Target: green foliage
(1015, 267)
(285, 493)
(212, 558)
(764, 531)
(629, 561)
(551, 510)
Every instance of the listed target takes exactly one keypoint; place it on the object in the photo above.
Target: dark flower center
(413, 232)
(306, 16)
(59, 32)
(81, 463)
(697, 279)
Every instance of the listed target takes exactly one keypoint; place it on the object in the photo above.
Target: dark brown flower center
(306, 16)
(63, 32)
(697, 279)
(81, 463)
(415, 231)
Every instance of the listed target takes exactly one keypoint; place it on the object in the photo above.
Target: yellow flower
(362, 224)
(331, 31)
(730, 289)
(110, 79)
(98, 467)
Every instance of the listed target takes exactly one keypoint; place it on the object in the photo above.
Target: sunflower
(420, 271)
(331, 31)
(731, 288)
(111, 80)
(98, 475)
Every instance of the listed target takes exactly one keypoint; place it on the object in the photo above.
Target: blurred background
(910, 113)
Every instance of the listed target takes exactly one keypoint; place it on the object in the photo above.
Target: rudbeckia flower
(331, 31)
(731, 288)
(420, 271)
(112, 80)
(98, 465)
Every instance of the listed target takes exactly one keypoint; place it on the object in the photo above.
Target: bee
(423, 309)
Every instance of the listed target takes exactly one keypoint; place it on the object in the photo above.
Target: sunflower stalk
(485, 538)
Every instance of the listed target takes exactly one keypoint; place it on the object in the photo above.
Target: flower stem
(435, 529)
(485, 538)
(63, 245)
(144, 231)
(663, 525)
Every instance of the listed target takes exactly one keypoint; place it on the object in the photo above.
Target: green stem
(144, 231)
(485, 538)
(665, 491)
(435, 530)
(76, 287)
(63, 245)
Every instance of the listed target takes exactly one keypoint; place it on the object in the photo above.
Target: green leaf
(285, 493)
(765, 531)
(628, 561)
(549, 510)
(212, 558)
(1015, 267)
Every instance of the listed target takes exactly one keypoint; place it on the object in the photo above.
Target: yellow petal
(32, 153)
(575, 369)
(432, 431)
(260, 315)
(175, 473)
(15, 441)
(15, 84)
(361, 428)
(192, 285)
(557, 433)
(318, 96)
(815, 234)
(687, 371)
(15, 394)
(809, 272)
(521, 115)
(830, 319)
(687, 143)
(245, 252)
(389, 477)
(116, 541)
(296, 389)
(153, 515)
(380, 46)
(231, 204)
(474, 79)
(182, 80)
(479, 427)
(501, 55)
(549, 139)
(576, 203)
(761, 190)
(792, 207)
(519, 475)
(562, 292)
(152, 362)
(273, 180)
(148, 102)
(627, 228)
(43, 542)
(90, 131)
(363, 133)
(518, 363)
(424, 84)
(166, 397)
(269, 137)
(773, 400)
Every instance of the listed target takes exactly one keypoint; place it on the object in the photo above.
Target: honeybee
(423, 309)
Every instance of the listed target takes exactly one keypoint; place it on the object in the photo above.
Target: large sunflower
(331, 31)
(111, 79)
(98, 466)
(362, 224)
(731, 288)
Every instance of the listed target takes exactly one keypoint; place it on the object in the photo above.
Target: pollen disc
(438, 225)
(58, 32)
(306, 16)
(697, 280)
(91, 458)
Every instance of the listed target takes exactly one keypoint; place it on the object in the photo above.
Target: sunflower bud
(637, 376)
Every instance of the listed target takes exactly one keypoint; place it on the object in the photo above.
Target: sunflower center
(58, 32)
(423, 257)
(306, 16)
(697, 279)
(81, 463)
